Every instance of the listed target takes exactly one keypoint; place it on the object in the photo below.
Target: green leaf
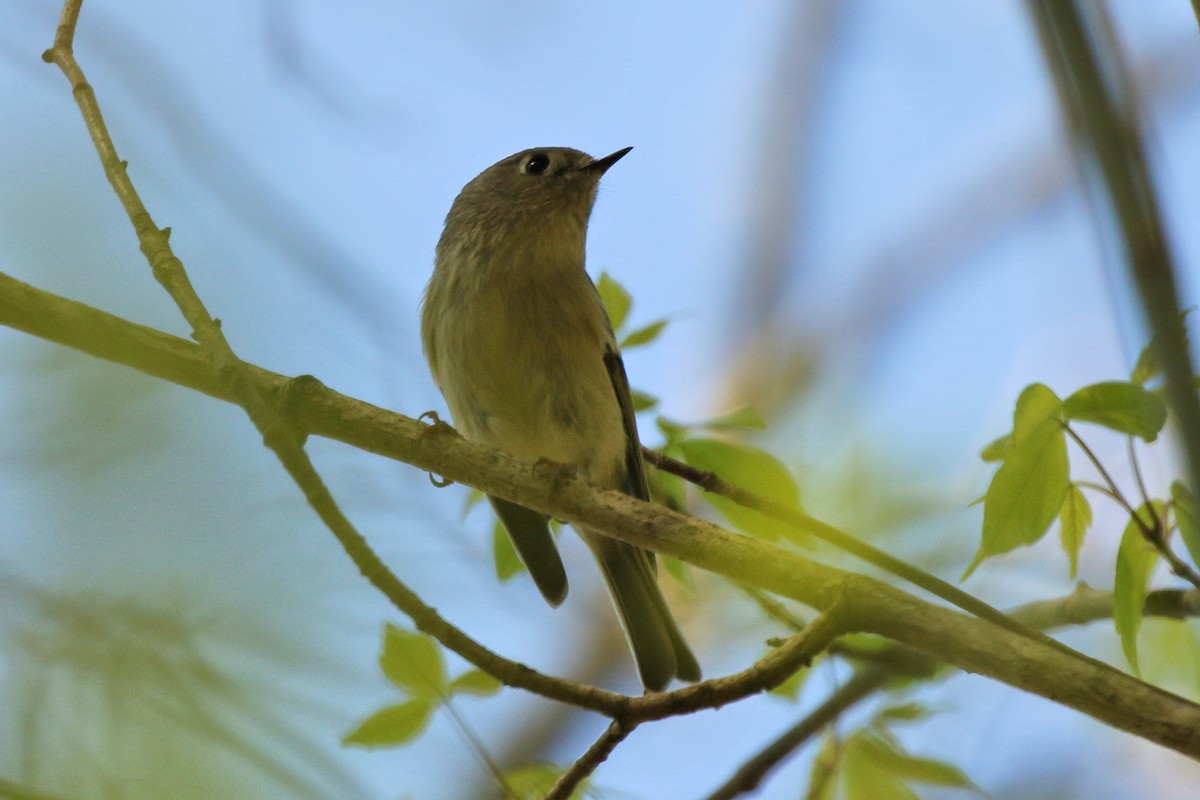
(644, 335)
(866, 775)
(1147, 367)
(878, 760)
(1187, 518)
(642, 401)
(1136, 560)
(904, 712)
(393, 725)
(413, 662)
(473, 498)
(1036, 406)
(997, 449)
(752, 469)
(745, 418)
(1124, 407)
(672, 431)
(1028, 489)
(1074, 521)
(616, 300)
(534, 781)
(508, 563)
(476, 682)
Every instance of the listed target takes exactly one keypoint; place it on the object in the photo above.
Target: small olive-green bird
(521, 348)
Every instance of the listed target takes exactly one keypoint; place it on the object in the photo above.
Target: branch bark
(864, 604)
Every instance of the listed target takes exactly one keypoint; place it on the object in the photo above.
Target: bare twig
(613, 735)
(1082, 606)
(711, 482)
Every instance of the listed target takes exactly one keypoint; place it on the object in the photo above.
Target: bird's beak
(601, 165)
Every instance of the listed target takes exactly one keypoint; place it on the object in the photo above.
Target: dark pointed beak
(601, 165)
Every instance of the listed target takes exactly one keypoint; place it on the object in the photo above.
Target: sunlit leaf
(1123, 407)
(413, 662)
(1074, 521)
(508, 563)
(616, 300)
(1187, 518)
(1136, 560)
(534, 781)
(749, 468)
(746, 418)
(1027, 491)
(473, 499)
(476, 682)
(644, 335)
(393, 725)
(1148, 366)
(642, 401)
(865, 776)
(904, 712)
(672, 431)
(997, 449)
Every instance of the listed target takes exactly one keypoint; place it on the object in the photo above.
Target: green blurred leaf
(1187, 518)
(534, 781)
(1074, 521)
(1147, 367)
(1136, 560)
(616, 300)
(997, 449)
(393, 725)
(672, 431)
(882, 769)
(745, 418)
(752, 469)
(475, 682)
(866, 775)
(1036, 406)
(508, 563)
(473, 498)
(1123, 407)
(412, 662)
(644, 335)
(642, 401)
(904, 712)
(1028, 489)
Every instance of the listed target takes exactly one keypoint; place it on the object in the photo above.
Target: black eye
(536, 164)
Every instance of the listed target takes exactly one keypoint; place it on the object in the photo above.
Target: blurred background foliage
(860, 217)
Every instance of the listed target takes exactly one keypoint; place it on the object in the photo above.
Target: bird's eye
(536, 164)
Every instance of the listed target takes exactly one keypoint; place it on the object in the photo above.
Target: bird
(520, 346)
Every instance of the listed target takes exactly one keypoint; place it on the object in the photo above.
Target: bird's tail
(658, 646)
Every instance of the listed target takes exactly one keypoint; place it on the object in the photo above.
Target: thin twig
(1137, 470)
(477, 745)
(711, 482)
(1082, 606)
(613, 735)
(1114, 491)
(750, 774)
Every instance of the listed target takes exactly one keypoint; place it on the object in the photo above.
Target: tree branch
(974, 645)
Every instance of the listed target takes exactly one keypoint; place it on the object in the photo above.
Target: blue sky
(936, 258)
